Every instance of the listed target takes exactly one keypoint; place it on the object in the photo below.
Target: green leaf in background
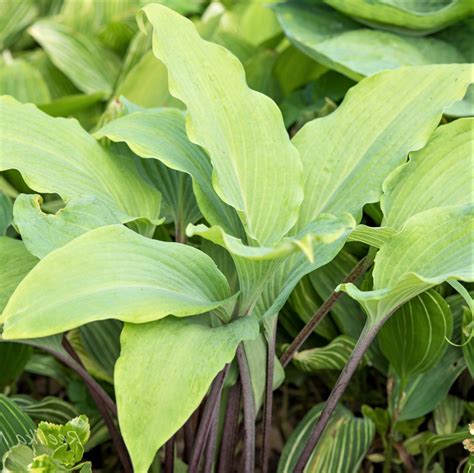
(448, 414)
(15, 264)
(342, 448)
(13, 359)
(112, 272)
(146, 84)
(23, 81)
(438, 175)
(412, 15)
(43, 233)
(6, 213)
(49, 409)
(161, 134)
(163, 373)
(341, 44)
(405, 266)
(58, 156)
(15, 16)
(90, 66)
(425, 391)
(101, 342)
(397, 112)
(414, 338)
(257, 170)
(333, 356)
(15, 425)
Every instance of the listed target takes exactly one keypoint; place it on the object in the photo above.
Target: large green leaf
(280, 267)
(406, 265)
(161, 134)
(16, 426)
(413, 339)
(90, 66)
(345, 161)
(43, 233)
(341, 449)
(58, 156)
(413, 15)
(438, 175)
(353, 50)
(112, 272)
(15, 263)
(257, 170)
(164, 372)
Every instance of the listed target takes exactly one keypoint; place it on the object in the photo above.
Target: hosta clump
(262, 212)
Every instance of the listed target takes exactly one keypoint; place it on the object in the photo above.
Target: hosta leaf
(333, 356)
(438, 175)
(112, 272)
(347, 47)
(70, 104)
(146, 84)
(13, 358)
(406, 266)
(258, 266)
(413, 339)
(15, 16)
(341, 449)
(24, 82)
(425, 391)
(15, 263)
(17, 427)
(6, 213)
(426, 16)
(101, 342)
(354, 157)
(90, 66)
(49, 409)
(161, 134)
(58, 156)
(43, 233)
(164, 370)
(257, 170)
(447, 415)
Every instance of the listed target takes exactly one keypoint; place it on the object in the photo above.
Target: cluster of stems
(206, 450)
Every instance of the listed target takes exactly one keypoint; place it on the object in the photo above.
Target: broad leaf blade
(438, 175)
(161, 134)
(353, 50)
(43, 233)
(413, 339)
(90, 66)
(112, 272)
(164, 372)
(345, 161)
(406, 265)
(257, 170)
(58, 156)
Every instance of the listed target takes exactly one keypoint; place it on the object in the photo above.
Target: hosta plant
(159, 254)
